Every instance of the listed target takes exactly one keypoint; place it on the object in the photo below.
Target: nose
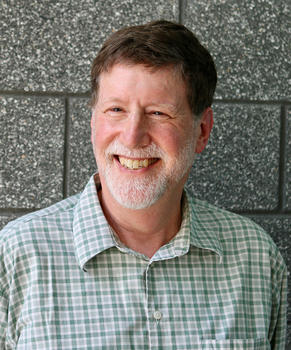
(135, 131)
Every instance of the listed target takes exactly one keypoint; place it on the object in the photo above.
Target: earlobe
(204, 126)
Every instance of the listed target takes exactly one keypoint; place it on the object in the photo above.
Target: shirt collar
(204, 231)
(92, 233)
(91, 230)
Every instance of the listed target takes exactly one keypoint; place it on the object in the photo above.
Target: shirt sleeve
(279, 316)
(4, 295)
(3, 320)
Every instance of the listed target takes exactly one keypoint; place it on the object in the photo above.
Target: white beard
(139, 192)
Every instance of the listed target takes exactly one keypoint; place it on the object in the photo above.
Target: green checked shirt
(67, 283)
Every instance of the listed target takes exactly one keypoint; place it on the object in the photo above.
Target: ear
(204, 128)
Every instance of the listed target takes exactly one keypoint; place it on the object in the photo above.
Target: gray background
(46, 51)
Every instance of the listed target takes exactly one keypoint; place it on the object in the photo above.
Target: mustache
(151, 151)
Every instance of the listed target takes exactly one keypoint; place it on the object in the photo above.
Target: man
(133, 262)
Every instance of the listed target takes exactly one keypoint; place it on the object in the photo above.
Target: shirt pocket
(236, 344)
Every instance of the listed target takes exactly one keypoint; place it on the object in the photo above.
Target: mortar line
(66, 160)
(253, 102)
(58, 94)
(261, 213)
(16, 211)
(268, 215)
(44, 94)
(282, 159)
(182, 6)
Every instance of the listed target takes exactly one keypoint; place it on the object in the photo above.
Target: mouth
(135, 164)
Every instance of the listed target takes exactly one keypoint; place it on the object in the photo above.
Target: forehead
(139, 79)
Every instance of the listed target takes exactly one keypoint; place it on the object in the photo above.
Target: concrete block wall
(46, 53)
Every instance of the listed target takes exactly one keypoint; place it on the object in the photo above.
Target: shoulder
(227, 224)
(34, 242)
(238, 235)
(40, 225)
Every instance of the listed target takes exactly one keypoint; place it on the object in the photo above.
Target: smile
(135, 164)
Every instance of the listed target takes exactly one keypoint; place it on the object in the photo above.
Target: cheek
(102, 133)
(171, 141)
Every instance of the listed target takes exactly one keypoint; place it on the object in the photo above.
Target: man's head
(160, 44)
(145, 87)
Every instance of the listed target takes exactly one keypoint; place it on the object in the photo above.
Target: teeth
(129, 163)
(136, 163)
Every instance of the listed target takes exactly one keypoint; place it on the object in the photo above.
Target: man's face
(143, 134)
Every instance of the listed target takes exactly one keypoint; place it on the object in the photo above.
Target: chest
(122, 302)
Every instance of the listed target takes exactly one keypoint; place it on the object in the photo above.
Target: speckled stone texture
(288, 162)
(31, 150)
(250, 41)
(81, 154)
(49, 45)
(238, 170)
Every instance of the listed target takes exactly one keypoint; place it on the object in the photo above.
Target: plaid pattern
(67, 283)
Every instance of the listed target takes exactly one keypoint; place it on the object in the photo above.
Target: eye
(159, 115)
(114, 112)
(116, 109)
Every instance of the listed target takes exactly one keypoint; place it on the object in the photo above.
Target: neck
(144, 230)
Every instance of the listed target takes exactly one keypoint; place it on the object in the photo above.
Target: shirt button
(157, 315)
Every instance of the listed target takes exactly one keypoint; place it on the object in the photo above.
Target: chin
(136, 195)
